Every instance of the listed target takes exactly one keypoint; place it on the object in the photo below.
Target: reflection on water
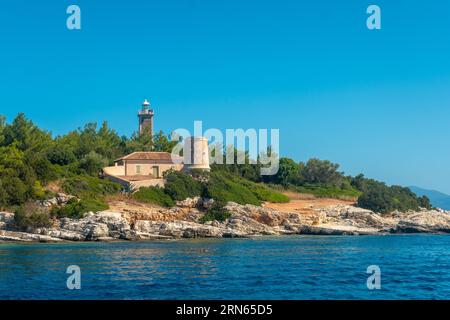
(294, 267)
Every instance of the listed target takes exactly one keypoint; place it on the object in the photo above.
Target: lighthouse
(145, 116)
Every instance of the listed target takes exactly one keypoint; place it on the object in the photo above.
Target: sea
(283, 267)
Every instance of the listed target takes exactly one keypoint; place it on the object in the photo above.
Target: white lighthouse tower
(196, 154)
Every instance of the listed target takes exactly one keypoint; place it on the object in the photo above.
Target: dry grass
(306, 203)
(123, 203)
(54, 186)
(299, 196)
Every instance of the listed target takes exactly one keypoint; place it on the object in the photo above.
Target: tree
(109, 144)
(2, 128)
(250, 168)
(139, 143)
(4, 199)
(288, 170)
(379, 197)
(41, 166)
(26, 135)
(321, 172)
(15, 189)
(61, 154)
(92, 163)
(162, 143)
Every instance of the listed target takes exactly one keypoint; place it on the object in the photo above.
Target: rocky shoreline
(245, 221)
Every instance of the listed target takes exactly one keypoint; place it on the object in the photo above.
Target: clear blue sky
(376, 102)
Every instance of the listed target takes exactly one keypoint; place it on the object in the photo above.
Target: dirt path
(304, 203)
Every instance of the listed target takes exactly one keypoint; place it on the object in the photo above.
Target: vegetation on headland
(31, 216)
(31, 160)
(155, 195)
(216, 212)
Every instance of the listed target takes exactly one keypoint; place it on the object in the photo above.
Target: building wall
(115, 170)
(114, 173)
(146, 167)
(147, 183)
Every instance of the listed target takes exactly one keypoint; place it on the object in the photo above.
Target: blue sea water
(290, 267)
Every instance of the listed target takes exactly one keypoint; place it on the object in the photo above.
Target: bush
(16, 191)
(3, 196)
(88, 187)
(36, 219)
(76, 209)
(180, 185)
(222, 187)
(216, 212)
(327, 191)
(92, 163)
(154, 195)
(37, 191)
(263, 192)
(61, 155)
(379, 197)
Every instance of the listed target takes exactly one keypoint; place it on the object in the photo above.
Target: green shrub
(223, 188)
(180, 185)
(76, 209)
(88, 187)
(216, 212)
(263, 192)
(37, 219)
(154, 195)
(379, 197)
(327, 191)
(92, 163)
(15, 190)
(38, 191)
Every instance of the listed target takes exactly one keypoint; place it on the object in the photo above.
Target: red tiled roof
(156, 156)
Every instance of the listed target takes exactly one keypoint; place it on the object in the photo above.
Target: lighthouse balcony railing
(150, 111)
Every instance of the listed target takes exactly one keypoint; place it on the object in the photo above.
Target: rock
(314, 230)
(6, 220)
(63, 198)
(149, 227)
(88, 214)
(93, 227)
(25, 237)
(61, 234)
(178, 229)
(423, 221)
(245, 221)
(59, 199)
(190, 202)
(262, 215)
(207, 203)
(245, 225)
(95, 231)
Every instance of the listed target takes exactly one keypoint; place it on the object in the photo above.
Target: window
(138, 169)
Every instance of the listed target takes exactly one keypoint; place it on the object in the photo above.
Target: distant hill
(437, 199)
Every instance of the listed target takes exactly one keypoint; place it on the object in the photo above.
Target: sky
(375, 101)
